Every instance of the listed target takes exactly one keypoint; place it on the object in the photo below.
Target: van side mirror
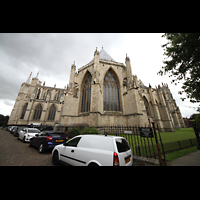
(65, 144)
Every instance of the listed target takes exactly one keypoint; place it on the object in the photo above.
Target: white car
(27, 133)
(93, 150)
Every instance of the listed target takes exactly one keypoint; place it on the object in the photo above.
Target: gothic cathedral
(102, 93)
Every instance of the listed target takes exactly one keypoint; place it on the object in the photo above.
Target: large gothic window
(111, 92)
(38, 112)
(86, 93)
(52, 112)
(23, 111)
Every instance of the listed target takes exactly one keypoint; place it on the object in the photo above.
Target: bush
(77, 131)
(74, 132)
(89, 130)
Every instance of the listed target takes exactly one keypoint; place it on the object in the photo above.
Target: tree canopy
(3, 119)
(183, 62)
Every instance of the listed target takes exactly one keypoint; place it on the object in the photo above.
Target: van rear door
(124, 151)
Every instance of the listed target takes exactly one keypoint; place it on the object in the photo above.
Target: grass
(180, 153)
(178, 135)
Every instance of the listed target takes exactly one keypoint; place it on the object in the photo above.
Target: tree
(3, 119)
(183, 62)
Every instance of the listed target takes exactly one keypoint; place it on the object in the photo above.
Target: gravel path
(14, 152)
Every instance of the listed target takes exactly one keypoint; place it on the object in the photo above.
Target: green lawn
(179, 134)
(180, 153)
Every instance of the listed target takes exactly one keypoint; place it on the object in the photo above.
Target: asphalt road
(14, 152)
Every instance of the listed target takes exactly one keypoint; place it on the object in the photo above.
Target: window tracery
(38, 112)
(111, 92)
(24, 111)
(52, 112)
(86, 94)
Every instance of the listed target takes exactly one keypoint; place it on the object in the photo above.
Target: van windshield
(122, 145)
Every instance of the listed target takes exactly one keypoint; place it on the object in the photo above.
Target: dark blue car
(47, 140)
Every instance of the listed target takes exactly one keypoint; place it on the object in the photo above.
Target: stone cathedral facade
(101, 93)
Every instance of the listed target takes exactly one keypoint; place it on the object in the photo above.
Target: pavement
(192, 159)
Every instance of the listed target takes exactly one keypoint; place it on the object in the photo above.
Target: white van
(94, 150)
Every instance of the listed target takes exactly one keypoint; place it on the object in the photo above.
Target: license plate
(127, 160)
(59, 140)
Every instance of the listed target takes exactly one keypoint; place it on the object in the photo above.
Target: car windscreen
(122, 145)
(33, 131)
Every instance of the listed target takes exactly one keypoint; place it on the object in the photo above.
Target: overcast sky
(52, 54)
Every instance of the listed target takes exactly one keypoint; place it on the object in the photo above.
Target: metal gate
(144, 141)
(196, 131)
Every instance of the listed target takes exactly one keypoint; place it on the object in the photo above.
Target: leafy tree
(197, 120)
(183, 62)
(3, 119)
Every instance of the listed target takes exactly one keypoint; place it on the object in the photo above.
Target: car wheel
(55, 160)
(41, 148)
(30, 145)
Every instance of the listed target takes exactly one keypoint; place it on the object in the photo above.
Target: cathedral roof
(103, 55)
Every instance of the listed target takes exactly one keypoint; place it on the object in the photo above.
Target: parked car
(19, 128)
(27, 133)
(7, 128)
(47, 140)
(13, 129)
(94, 150)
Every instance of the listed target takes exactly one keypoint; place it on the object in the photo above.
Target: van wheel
(93, 165)
(41, 148)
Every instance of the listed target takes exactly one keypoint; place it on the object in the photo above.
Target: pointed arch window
(111, 92)
(38, 112)
(48, 96)
(38, 95)
(146, 104)
(86, 93)
(52, 113)
(158, 105)
(44, 96)
(24, 111)
(57, 96)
